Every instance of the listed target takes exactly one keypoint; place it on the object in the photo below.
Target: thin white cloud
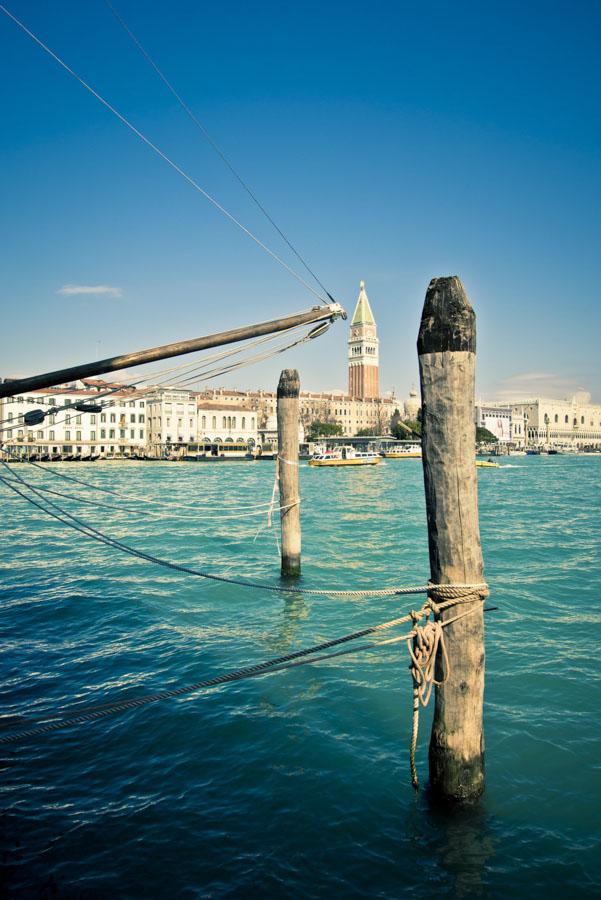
(72, 290)
(532, 384)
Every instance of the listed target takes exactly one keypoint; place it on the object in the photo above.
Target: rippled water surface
(295, 784)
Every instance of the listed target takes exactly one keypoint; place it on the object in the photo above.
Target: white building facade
(574, 423)
(118, 429)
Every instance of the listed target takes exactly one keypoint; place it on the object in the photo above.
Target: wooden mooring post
(287, 461)
(447, 362)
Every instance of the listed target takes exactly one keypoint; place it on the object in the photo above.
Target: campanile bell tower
(363, 352)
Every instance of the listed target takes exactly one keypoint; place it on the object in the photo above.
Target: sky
(392, 142)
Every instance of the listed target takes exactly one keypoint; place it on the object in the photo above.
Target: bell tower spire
(363, 352)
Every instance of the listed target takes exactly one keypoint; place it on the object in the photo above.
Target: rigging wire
(90, 531)
(203, 373)
(160, 373)
(260, 509)
(162, 155)
(203, 130)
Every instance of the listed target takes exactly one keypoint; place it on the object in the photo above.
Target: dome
(412, 404)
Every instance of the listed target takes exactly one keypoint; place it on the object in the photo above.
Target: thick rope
(424, 646)
(267, 667)
(89, 531)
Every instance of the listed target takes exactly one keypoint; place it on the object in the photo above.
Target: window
(224, 422)
(582, 420)
(243, 422)
(132, 433)
(112, 417)
(51, 435)
(92, 420)
(141, 404)
(111, 434)
(122, 432)
(40, 435)
(78, 435)
(92, 435)
(566, 420)
(103, 417)
(67, 435)
(67, 420)
(132, 417)
(78, 420)
(204, 421)
(233, 421)
(102, 433)
(141, 418)
(214, 421)
(556, 418)
(141, 432)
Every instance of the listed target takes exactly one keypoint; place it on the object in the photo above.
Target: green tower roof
(363, 314)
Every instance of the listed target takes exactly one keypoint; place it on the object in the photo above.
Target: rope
(162, 155)
(424, 646)
(290, 660)
(264, 505)
(259, 511)
(89, 531)
(213, 143)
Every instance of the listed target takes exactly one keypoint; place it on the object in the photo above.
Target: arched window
(244, 422)
(556, 418)
(582, 420)
(566, 420)
(204, 421)
(224, 422)
(214, 421)
(252, 422)
(233, 421)
(229, 422)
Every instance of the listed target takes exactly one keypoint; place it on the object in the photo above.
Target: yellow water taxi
(346, 456)
(487, 464)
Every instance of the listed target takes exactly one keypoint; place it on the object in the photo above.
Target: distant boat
(346, 456)
(487, 464)
(533, 452)
(409, 451)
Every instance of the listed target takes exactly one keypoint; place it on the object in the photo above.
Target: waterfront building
(574, 423)
(118, 430)
(177, 418)
(496, 419)
(172, 420)
(335, 407)
(363, 351)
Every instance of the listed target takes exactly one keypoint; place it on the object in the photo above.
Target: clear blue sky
(393, 142)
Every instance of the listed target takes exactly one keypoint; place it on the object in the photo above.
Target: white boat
(404, 451)
(345, 456)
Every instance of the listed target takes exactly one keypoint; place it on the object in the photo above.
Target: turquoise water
(295, 784)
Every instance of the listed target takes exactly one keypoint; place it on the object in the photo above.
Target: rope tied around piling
(425, 643)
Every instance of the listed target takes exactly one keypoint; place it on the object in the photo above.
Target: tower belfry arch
(363, 351)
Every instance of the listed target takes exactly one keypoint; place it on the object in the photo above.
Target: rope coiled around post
(426, 642)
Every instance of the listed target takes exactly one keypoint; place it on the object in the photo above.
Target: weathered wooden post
(447, 361)
(287, 461)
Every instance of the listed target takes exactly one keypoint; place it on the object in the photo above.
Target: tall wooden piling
(288, 423)
(447, 362)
